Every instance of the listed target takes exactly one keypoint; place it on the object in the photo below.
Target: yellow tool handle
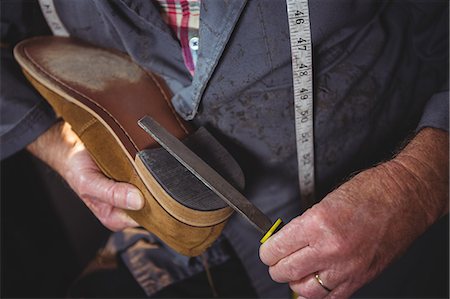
(275, 227)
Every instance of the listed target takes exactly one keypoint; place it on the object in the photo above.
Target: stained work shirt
(380, 74)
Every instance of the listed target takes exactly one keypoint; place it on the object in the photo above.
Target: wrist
(413, 185)
(55, 146)
(424, 164)
(408, 197)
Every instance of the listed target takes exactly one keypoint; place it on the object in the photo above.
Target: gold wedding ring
(317, 277)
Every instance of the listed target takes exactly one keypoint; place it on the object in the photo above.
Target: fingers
(288, 240)
(105, 197)
(113, 218)
(94, 185)
(295, 266)
(308, 288)
(63, 150)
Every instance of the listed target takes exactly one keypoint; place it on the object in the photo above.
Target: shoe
(102, 94)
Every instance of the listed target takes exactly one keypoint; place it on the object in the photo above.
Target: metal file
(208, 176)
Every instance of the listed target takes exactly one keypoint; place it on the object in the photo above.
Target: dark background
(48, 236)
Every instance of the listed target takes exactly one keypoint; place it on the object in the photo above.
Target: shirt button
(193, 43)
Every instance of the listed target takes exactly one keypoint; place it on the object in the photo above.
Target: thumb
(95, 185)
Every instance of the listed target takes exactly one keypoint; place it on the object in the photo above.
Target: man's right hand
(62, 150)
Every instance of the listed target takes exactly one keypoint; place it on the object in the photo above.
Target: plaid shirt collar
(183, 16)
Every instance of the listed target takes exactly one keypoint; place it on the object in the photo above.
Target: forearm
(407, 194)
(426, 159)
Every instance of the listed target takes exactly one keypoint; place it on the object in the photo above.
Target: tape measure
(52, 18)
(302, 74)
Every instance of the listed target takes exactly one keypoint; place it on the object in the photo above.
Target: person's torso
(369, 87)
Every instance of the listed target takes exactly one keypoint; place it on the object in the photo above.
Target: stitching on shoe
(92, 101)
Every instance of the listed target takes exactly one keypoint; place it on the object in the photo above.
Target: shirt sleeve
(431, 44)
(436, 112)
(24, 115)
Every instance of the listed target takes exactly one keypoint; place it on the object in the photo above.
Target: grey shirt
(380, 74)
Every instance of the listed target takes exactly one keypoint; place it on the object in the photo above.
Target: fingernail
(134, 200)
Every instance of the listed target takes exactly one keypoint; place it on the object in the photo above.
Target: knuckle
(309, 292)
(277, 252)
(275, 275)
(284, 272)
(307, 288)
(317, 217)
(337, 246)
(111, 194)
(328, 238)
(104, 211)
(117, 195)
(271, 252)
(83, 186)
(110, 224)
(292, 272)
(296, 222)
(288, 235)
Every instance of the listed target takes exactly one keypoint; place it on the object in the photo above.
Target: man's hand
(358, 229)
(61, 148)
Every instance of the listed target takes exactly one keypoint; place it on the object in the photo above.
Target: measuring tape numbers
(52, 18)
(302, 74)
